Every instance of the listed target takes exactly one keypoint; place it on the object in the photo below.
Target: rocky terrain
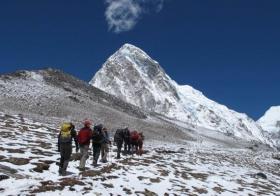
(52, 96)
(29, 157)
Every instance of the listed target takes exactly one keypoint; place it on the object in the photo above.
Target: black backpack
(97, 135)
(119, 136)
(126, 134)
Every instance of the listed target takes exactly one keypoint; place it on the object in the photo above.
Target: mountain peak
(131, 53)
(128, 45)
(271, 119)
(130, 48)
(132, 60)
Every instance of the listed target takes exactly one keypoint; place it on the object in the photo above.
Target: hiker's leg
(97, 153)
(94, 149)
(67, 156)
(93, 154)
(132, 148)
(64, 168)
(129, 147)
(125, 147)
(141, 148)
(84, 151)
(136, 148)
(61, 159)
(61, 156)
(104, 152)
(119, 146)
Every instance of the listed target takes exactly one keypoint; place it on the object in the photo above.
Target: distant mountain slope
(46, 90)
(53, 96)
(136, 78)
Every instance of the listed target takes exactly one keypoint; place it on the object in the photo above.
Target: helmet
(87, 123)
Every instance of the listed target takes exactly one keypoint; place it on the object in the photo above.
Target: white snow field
(28, 166)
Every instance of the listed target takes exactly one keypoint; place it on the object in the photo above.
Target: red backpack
(84, 136)
(134, 136)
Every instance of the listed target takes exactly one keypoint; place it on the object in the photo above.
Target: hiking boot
(82, 168)
(63, 173)
(104, 161)
(94, 163)
(60, 171)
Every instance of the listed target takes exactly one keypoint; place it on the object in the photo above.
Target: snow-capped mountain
(271, 120)
(136, 78)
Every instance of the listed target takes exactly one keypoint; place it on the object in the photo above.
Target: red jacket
(84, 136)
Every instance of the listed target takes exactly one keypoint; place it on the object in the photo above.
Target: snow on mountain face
(271, 120)
(133, 76)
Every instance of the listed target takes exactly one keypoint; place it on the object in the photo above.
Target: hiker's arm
(58, 143)
(108, 138)
(115, 139)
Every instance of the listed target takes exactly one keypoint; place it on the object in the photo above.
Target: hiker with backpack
(105, 145)
(84, 136)
(97, 140)
(118, 140)
(136, 140)
(66, 135)
(140, 143)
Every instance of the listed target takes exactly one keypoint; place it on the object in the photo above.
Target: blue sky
(228, 49)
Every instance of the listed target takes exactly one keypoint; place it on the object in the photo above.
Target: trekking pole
(109, 154)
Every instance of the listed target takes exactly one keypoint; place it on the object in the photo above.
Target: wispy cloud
(123, 15)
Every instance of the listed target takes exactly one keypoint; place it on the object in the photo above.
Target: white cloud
(123, 15)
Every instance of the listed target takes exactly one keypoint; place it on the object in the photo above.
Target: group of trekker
(99, 137)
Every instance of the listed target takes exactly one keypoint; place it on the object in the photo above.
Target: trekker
(118, 140)
(140, 143)
(136, 140)
(97, 140)
(84, 137)
(127, 145)
(66, 135)
(105, 145)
